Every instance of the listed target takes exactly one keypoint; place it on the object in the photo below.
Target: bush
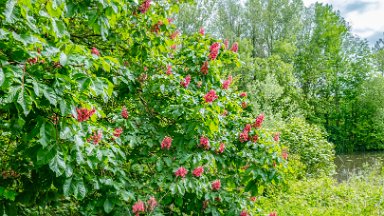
(309, 143)
(109, 110)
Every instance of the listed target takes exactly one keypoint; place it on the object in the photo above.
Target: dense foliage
(309, 143)
(106, 109)
(300, 60)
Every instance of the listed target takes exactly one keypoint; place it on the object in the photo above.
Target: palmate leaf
(9, 11)
(57, 164)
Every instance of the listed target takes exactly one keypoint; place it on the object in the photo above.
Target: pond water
(350, 164)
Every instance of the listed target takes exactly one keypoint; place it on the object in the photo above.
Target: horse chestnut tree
(107, 108)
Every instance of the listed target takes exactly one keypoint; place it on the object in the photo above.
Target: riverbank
(362, 194)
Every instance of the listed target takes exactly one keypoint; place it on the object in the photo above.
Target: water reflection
(350, 164)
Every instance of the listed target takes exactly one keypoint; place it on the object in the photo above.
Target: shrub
(109, 110)
(309, 143)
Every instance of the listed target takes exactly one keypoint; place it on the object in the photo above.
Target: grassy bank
(360, 195)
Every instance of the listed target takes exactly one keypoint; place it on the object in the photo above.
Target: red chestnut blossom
(244, 213)
(124, 112)
(221, 148)
(145, 6)
(276, 136)
(284, 155)
(182, 172)
(138, 208)
(273, 214)
(117, 132)
(204, 68)
(254, 138)
(218, 199)
(216, 185)
(247, 128)
(253, 199)
(204, 142)
(227, 82)
(96, 138)
(175, 34)
(214, 50)
(156, 27)
(151, 203)
(226, 43)
(210, 96)
(202, 31)
(145, 68)
(169, 69)
(198, 171)
(173, 46)
(235, 47)
(95, 51)
(33, 60)
(199, 83)
(83, 114)
(166, 143)
(243, 94)
(244, 104)
(259, 121)
(243, 137)
(186, 81)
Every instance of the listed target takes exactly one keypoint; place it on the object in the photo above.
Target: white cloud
(365, 21)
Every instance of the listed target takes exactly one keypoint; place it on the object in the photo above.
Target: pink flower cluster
(244, 213)
(235, 47)
(227, 82)
(96, 137)
(221, 148)
(166, 143)
(273, 214)
(145, 6)
(83, 114)
(216, 185)
(204, 142)
(117, 132)
(197, 172)
(284, 154)
(214, 50)
(185, 83)
(169, 69)
(276, 136)
(181, 172)
(124, 112)
(259, 121)
(244, 136)
(202, 31)
(210, 96)
(204, 68)
(95, 51)
(243, 94)
(139, 206)
(175, 34)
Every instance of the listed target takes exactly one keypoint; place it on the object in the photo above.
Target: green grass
(360, 195)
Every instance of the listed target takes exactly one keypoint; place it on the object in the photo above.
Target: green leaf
(63, 59)
(47, 133)
(9, 11)
(2, 76)
(57, 164)
(50, 95)
(108, 205)
(25, 102)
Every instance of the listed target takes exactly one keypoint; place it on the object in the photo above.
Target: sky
(366, 17)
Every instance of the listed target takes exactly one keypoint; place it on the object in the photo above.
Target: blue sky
(366, 17)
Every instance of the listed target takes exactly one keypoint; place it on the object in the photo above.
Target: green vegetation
(182, 107)
(360, 195)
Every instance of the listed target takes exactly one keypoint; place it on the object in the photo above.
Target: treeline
(301, 61)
